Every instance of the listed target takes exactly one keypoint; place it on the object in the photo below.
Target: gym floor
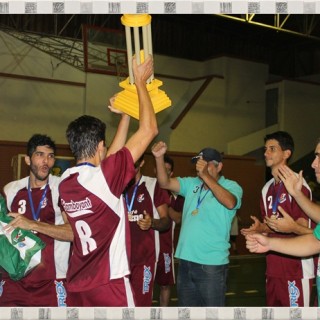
(246, 282)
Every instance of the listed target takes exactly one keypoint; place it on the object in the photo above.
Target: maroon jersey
(44, 285)
(165, 274)
(278, 265)
(149, 196)
(144, 196)
(92, 198)
(54, 257)
(167, 237)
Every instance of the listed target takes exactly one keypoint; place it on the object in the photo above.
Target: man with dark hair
(39, 140)
(211, 202)
(288, 279)
(91, 195)
(33, 202)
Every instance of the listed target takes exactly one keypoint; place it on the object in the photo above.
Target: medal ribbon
(199, 198)
(133, 196)
(36, 214)
(276, 200)
(85, 164)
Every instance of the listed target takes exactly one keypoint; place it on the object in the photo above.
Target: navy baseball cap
(208, 154)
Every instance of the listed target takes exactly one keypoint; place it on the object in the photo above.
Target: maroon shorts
(117, 293)
(282, 292)
(165, 275)
(142, 280)
(47, 293)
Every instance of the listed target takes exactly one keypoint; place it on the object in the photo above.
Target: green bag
(20, 250)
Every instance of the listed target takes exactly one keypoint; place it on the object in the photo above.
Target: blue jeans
(200, 285)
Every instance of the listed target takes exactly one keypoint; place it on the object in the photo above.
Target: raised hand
(291, 180)
(19, 221)
(146, 222)
(284, 224)
(159, 149)
(255, 227)
(257, 243)
(111, 106)
(143, 71)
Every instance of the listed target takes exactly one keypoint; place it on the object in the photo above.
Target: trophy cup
(137, 25)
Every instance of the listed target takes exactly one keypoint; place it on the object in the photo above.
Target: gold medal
(195, 212)
(274, 216)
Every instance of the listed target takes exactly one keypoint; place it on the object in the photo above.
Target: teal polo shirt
(204, 237)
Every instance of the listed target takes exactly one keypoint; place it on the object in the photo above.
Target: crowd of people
(109, 230)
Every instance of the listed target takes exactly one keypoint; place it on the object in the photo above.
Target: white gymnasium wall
(231, 107)
(299, 107)
(35, 107)
(29, 106)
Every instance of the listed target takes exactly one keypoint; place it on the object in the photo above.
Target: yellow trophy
(127, 100)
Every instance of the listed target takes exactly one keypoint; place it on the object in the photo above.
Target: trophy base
(127, 100)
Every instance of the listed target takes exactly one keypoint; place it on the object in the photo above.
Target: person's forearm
(61, 232)
(162, 175)
(147, 117)
(120, 137)
(148, 128)
(225, 197)
(301, 230)
(301, 246)
(263, 228)
(161, 224)
(310, 208)
(175, 215)
(302, 227)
